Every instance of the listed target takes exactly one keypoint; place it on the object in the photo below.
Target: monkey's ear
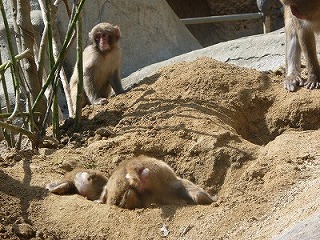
(117, 31)
(92, 176)
(91, 38)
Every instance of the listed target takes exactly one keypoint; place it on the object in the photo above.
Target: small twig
(16, 129)
(20, 114)
(25, 54)
(185, 230)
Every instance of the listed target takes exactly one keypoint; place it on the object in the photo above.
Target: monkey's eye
(100, 35)
(97, 36)
(111, 39)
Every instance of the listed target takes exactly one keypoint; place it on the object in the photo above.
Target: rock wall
(151, 32)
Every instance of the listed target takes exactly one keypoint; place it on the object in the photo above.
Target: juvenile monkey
(101, 66)
(87, 183)
(143, 181)
(302, 20)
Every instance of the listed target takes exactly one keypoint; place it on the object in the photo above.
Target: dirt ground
(234, 131)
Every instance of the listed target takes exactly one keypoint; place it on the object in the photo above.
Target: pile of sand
(235, 132)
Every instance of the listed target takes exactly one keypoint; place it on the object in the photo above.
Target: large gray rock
(307, 229)
(262, 52)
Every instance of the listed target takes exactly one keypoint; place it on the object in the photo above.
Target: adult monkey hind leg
(302, 21)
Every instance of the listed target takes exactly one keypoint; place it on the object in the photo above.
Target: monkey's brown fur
(88, 183)
(302, 20)
(143, 181)
(101, 67)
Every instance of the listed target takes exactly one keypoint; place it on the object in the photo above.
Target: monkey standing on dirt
(87, 183)
(302, 20)
(101, 66)
(143, 181)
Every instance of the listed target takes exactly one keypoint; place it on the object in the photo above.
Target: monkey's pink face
(103, 40)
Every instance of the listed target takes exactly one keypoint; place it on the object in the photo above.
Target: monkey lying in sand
(87, 183)
(139, 183)
(143, 181)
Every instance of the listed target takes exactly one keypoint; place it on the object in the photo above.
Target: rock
(2, 228)
(24, 230)
(104, 132)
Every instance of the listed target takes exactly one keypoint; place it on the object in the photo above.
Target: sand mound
(234, 131)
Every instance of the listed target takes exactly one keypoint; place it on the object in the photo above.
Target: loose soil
(234, 131)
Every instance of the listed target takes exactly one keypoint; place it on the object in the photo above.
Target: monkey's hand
(137, 178)
(100, 101)
(134, 180)
(292, 82)
(99, 201)
(313, 81)
(130, 200)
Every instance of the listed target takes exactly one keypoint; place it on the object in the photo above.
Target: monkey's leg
(308, 45)
(64, 187)
(198, 195)
(293, 56)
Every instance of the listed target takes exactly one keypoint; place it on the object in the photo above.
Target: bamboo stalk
(28, 41)
(55, 118)
(61, 55)
(5, 89)
(80, 73)
(14, 65)
(42, 49)
(7, 136)
(55, 44)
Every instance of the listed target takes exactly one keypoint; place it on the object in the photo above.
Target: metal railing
(222, 18)
(264, 14)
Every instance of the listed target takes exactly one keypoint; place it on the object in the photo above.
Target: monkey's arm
(90, 88)
(115, 82)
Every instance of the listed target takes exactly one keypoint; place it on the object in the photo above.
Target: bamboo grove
(36, 70)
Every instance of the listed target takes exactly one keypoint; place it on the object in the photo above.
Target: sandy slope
(234, 131)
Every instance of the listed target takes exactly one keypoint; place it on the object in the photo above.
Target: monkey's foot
(312, 82)
(100, 101)
(292, 82)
